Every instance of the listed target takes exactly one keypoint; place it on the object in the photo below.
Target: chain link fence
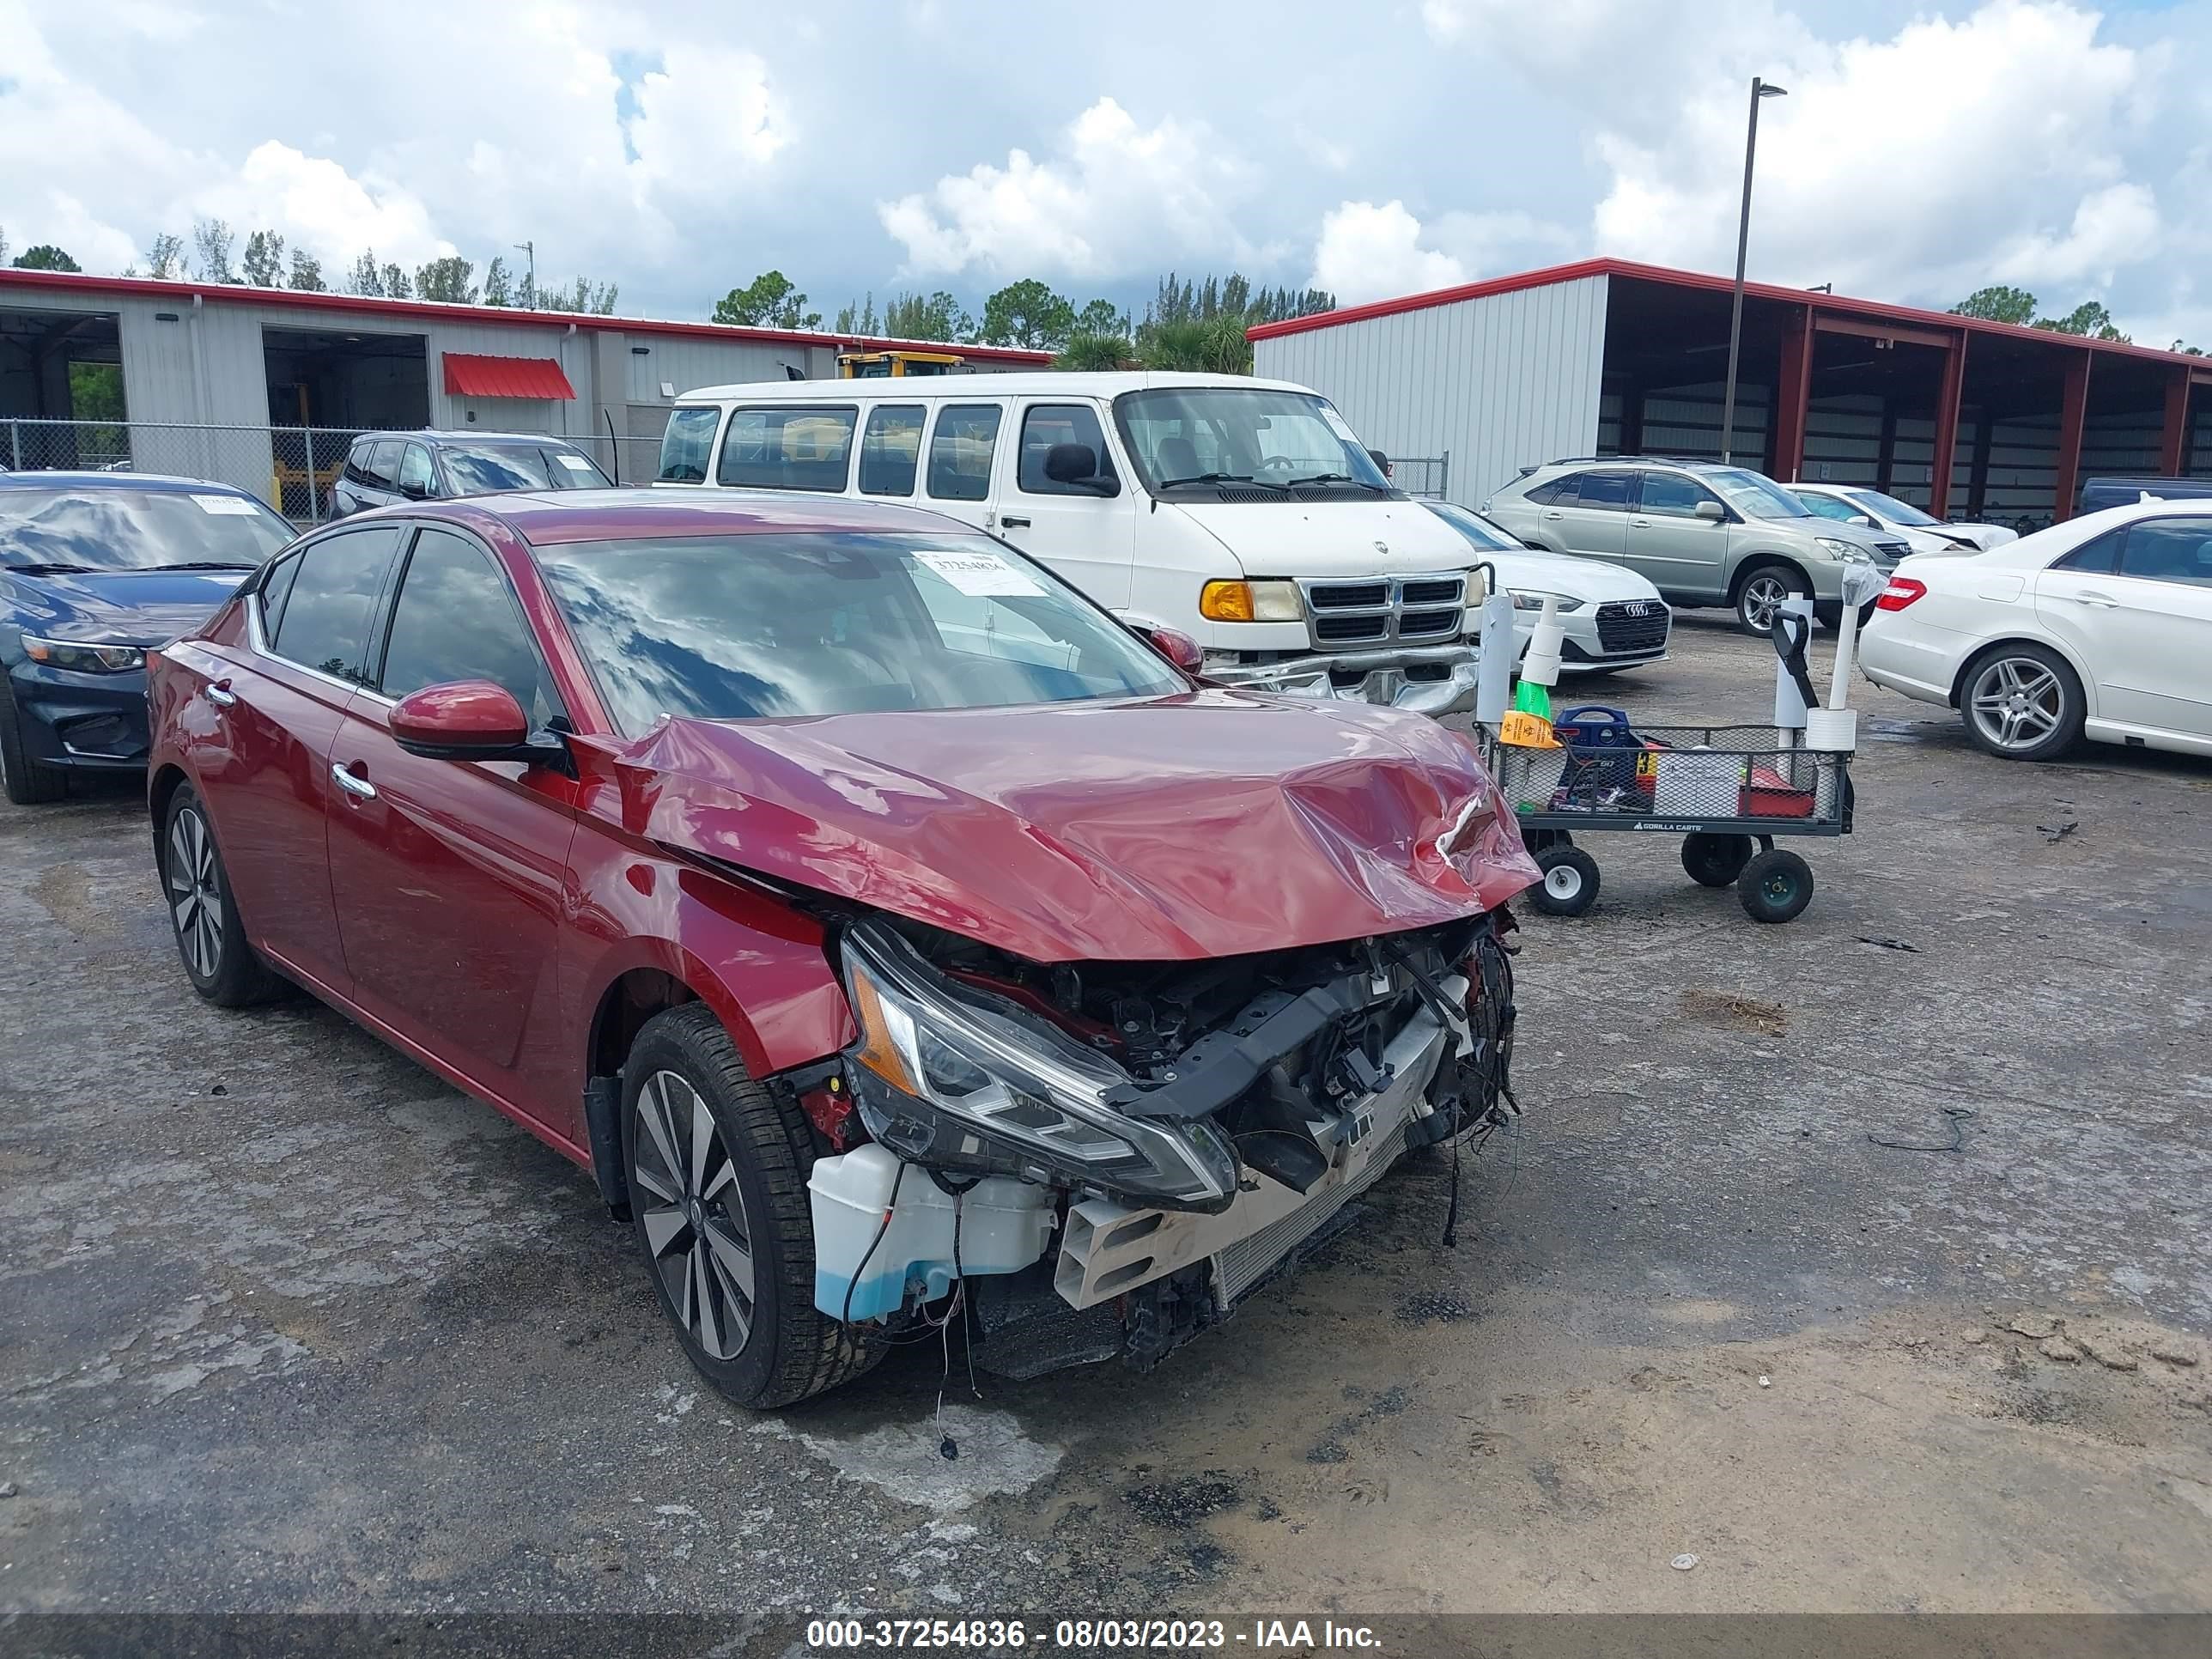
(293, 468)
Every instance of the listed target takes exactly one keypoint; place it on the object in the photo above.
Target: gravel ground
(285, 1323)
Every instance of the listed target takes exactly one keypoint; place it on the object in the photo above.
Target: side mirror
(1864, 521)
(1178, 648)
(1712, 512)
(465, 720)
(1076, 465)
(414, 491)
(1382, 461)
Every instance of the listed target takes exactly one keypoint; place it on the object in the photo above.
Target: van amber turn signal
(1246, 601)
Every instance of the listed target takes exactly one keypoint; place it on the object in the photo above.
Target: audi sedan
(1609, 617)
(884, 926)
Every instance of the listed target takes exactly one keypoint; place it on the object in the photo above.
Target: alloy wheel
(195, 893)
(693, 1215)
(2017, 703)
(1762, 596)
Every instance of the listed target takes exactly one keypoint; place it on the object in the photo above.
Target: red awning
(470, 376)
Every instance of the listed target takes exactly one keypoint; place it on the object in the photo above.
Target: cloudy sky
(1924, 150)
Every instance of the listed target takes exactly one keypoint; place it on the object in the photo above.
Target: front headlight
(1524, 600)
(84, 656)
(1843, 549)
(945, 1078)
(1243, 601)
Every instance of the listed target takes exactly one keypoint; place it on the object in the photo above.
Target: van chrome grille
(1376, 610)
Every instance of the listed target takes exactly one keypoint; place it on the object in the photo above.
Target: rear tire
(2021, 701)
(1715, 860)
(1570, 884)
(717, 1167)
(27, 782)
(1776, 886)
(1759, 592)
(211, 942)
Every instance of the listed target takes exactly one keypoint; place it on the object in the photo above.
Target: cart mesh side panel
(1672, 777)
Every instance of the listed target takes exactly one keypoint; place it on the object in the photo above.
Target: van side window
(891, 449)
(687, 443)
(798, 447)
(960, 452)
(1043, 425)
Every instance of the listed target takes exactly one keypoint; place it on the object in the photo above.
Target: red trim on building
(1831, 305)
(468, 376)
(146, 287)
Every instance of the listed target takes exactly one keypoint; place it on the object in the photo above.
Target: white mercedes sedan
(2098, 626)
(1609, 617)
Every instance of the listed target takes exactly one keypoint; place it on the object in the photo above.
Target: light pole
(1758, 89)
(530, 282)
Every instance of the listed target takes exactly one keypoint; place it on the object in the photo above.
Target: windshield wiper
(1220, 477)
(52, 569)
(201, 564)
(1344, 478)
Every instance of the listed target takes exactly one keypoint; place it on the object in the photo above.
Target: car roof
(162, 484)
(434, 434)
(1059, 383)
(546, 518)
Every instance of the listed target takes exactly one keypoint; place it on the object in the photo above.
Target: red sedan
(894, 935)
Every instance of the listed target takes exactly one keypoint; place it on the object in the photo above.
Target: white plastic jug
(1004, 1226)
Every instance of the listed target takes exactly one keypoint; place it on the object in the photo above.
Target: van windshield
(1204, 436)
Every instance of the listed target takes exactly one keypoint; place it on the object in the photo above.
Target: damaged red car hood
(1207, 825)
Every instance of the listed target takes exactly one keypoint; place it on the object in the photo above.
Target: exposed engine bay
(1099, 1159)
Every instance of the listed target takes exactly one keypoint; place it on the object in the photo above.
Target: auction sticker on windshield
(1338, 425)
(228, 505)
(573, 463)
(979, 576)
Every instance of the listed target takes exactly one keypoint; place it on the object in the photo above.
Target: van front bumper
(1433, 680)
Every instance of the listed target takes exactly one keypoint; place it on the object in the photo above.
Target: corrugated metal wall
(1503, 382)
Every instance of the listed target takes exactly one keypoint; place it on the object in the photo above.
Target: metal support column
(1793, 395)
(2073, 411)
(2173, 433)
(1949, 393)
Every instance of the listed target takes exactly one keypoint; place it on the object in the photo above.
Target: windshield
(1889, 507)
(1754, 495)
(768, 626)
(484, 469)
(1218, 434)
(687, 445)
(123, 529)
(1477, 528)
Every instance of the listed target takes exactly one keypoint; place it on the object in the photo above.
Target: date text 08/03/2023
(1089, 1635)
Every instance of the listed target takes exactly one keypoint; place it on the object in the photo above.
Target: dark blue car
(95, 570)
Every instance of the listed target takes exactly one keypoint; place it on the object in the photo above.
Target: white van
(1244, 513)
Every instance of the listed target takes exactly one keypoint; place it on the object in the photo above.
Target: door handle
(359, 788)
(1009, 521)
(2102, 601)
(220, 693)
(1553, 513)
(1640, 524)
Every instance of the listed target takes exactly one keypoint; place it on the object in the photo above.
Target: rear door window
(1606, 492)
(801, 446)
(1043, 425)
(687, 445)
(891, 449)
(326, 616)
(960, 451)
(2097, 557)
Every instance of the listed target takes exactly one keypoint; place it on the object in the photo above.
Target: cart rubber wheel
(1776, 886)
(1715, 860)
(1570, 884)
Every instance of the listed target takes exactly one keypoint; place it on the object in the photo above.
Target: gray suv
(1699, 533)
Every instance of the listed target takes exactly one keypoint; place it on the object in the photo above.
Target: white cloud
(1371, 252)
(2114, 227)
(1119, 196)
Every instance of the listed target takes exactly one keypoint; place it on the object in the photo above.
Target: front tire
(2022, 703)
(1776, 886)
(1759, 595)
(1570, 884)
(212, 941)
(717, 1167)
(27, 782)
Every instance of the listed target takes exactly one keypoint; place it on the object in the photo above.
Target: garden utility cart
(1727, 791)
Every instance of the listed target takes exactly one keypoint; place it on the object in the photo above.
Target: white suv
(1701, 534)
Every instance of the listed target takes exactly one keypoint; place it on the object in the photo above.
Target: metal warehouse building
(1605, 357)
(265, 387)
